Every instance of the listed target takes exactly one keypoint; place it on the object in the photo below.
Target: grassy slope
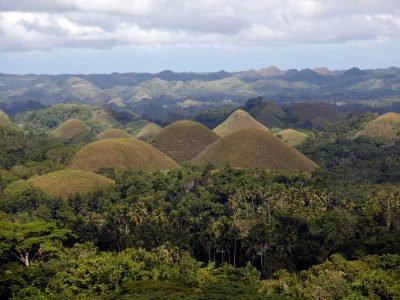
(121, 154)
(386, 126)
(4, 120)
(254, 148)
(237, 120)
(67, 182)
(114, 134)
(148, 132)
(70, 129)
(292, 137)
(184, 140)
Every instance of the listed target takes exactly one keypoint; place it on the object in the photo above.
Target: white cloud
(48, 24)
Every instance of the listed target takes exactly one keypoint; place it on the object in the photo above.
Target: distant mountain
(270, 72)
(323, 71)
(167, 89)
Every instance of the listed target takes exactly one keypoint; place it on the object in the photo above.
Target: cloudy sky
(103, 36)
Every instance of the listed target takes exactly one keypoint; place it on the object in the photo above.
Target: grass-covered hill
(113, 134)
(148, 132)
(5, 120)
(269, 114)
(45, 120)
(239, 119)
(121, 154)
(63, 183)
(70, 129)
(308, 111)
(292, 137)
(254, 148)
(184, 140)
(3, 115)
(79, 88)
(386, 127)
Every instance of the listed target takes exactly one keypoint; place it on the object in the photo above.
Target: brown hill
(292, 137)
(121, 154)
(114, 134)
(254, 148)
(148, 132)
(237, 120)
(269, 114)
(307, 111)
(69, 182)
(70, 129)
(386, 126)
(184, 140)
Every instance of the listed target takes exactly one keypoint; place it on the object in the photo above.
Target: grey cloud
(105, 24)
(35, 6)
(53, 30)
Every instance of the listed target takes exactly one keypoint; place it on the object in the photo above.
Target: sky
(105, 36)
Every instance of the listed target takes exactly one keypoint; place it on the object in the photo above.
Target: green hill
(254, 148)
(70, 129)
(237, 120)
(148, 132)
(45, 120)
(184, 140)
(121, 154)
(114, 134)
(386, 126)
(292, 137)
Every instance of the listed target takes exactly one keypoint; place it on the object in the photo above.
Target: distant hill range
(154, 94)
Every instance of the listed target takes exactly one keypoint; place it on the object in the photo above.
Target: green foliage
(39, 154)
(355, 159)
(31, 241)
(42, 121)
(373, 277)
